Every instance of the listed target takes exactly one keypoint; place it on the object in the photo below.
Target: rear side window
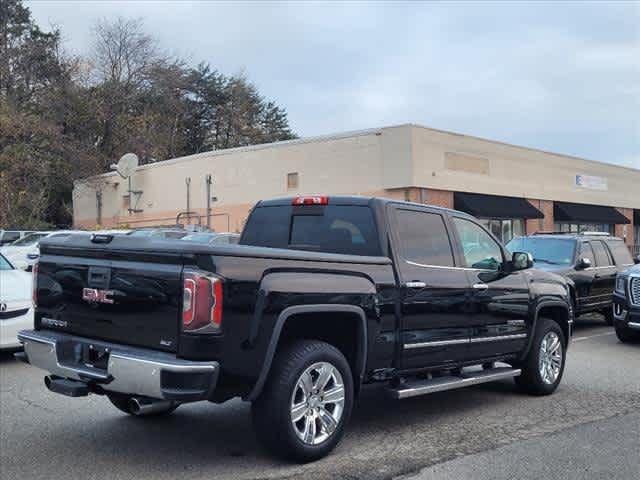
(424, 238)
(346, 229)
(620, 252)
(603, 258)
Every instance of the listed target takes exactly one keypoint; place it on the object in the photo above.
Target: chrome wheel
(317, 403)
(550, 361)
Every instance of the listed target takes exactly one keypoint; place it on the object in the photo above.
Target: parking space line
(577, 339)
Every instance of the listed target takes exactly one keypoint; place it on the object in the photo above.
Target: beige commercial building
(514, 189)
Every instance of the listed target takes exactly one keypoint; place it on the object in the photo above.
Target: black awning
(580, 212)
(494, 206)
(636, 218)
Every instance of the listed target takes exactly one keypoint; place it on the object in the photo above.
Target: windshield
(4, 264)
(28, 240)
(551, 251)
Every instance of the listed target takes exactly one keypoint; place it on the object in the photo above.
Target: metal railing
(635, 249)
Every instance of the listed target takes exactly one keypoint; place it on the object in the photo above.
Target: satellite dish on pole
(126, 165)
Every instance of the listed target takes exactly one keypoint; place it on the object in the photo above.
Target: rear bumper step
(64, 386)
(126, 370)
(440, 384)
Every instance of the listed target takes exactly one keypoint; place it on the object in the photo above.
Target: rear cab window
(331, 228)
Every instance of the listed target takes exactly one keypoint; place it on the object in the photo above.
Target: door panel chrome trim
(460, 341)
(498, 338)
(436, 343)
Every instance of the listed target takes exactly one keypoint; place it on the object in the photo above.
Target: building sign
(591, 182)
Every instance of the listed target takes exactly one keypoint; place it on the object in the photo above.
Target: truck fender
(540, 306)
(287, 313)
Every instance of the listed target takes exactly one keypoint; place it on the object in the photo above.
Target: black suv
(626, 305)
(589, 261)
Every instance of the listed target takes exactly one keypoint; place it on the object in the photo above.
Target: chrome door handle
(480, 286)
(415, 284)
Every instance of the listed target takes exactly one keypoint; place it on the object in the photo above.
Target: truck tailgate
(133, 298)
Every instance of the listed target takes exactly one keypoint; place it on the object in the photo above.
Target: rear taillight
(201, 303)
(312, 200)
(34, 284)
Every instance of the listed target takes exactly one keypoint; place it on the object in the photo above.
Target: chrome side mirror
(521, 260)
(583, 263)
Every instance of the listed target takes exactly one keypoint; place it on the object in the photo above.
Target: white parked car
(25, 252)
(16, 307)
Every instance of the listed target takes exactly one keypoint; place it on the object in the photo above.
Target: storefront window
(583, 227)
(504, 229)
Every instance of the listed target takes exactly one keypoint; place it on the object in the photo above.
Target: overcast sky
(557, 76)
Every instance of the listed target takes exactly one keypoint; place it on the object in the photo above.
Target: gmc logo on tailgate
(94, 295)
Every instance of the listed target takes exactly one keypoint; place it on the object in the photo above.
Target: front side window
(587, 252)
(480, 250)
(423, 238)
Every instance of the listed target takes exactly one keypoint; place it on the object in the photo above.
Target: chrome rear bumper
(129, 370)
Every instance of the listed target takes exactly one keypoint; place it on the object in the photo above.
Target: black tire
(531, 381)
(626, 335)
(271, 412)
(608, 316)
(123, 403)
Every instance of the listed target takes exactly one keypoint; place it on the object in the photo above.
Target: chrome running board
(451, 382)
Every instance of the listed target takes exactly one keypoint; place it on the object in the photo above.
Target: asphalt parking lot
(459, 434)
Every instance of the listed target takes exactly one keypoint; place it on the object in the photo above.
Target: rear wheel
(127, 404)
(626, 335)
(543, 367)
(306, 403)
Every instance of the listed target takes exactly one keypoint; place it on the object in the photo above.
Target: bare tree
(122, 52)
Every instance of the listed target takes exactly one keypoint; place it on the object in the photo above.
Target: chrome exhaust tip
(148, 406)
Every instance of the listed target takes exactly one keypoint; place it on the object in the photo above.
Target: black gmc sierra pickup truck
(321, 296)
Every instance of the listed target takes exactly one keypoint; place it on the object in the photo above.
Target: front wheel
(626, 335)
(543, 367)
(306, 403)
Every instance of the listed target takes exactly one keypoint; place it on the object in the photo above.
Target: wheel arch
(291, 324)
(557, 311)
